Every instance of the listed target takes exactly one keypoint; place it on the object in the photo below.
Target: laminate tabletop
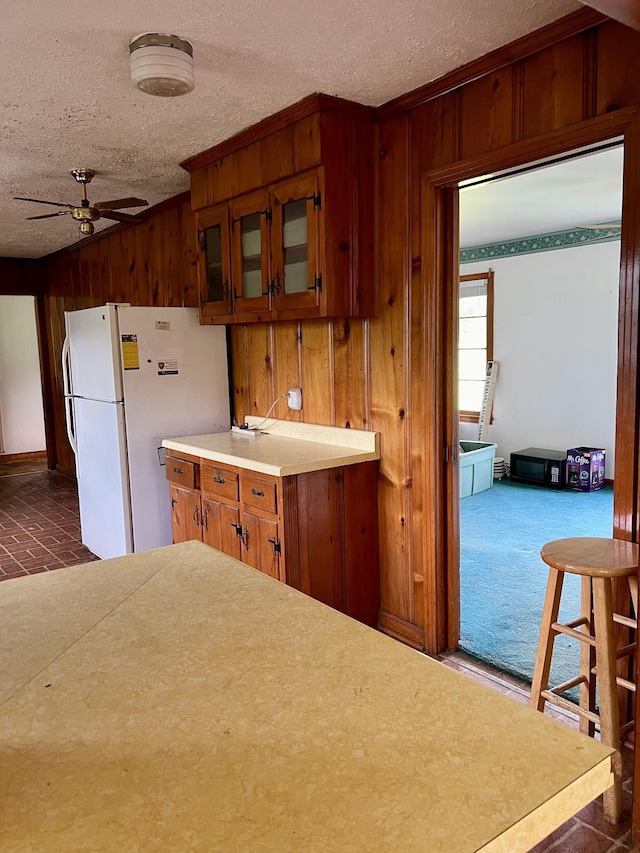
(177, 700)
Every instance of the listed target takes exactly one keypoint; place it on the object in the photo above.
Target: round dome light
(161, 64)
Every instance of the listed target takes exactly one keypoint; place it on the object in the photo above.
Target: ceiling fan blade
(118, 217)
(117, 203)
(49, 215)
(42, 201)
(601, 226)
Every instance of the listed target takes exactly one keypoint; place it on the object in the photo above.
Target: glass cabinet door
(250, 253)
(296, 277)
(214, 266)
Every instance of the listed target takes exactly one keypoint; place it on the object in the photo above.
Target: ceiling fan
(85, 213)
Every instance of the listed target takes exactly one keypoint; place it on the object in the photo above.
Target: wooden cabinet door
(295, 245)
(261, 544)
(250, 266)
(221, 527)
(214, 264)
(185, 514)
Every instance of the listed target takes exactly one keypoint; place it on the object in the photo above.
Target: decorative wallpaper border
(541, 243)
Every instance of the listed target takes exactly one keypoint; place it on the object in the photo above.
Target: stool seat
(592, 556)
(601, 564)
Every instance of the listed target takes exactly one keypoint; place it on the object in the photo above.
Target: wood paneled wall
(393, 373)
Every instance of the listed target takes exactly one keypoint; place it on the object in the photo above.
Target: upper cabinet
(284, 213)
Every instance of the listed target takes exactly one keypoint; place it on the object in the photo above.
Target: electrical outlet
(294, 398)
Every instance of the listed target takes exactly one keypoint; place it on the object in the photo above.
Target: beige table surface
(177, 700)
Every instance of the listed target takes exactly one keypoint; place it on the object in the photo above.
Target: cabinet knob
(219, 480)
(257, 493)
(196, 516)
(205, 520)
(178, 471)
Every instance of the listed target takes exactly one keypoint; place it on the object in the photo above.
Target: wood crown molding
(300, 110)
(570, 25)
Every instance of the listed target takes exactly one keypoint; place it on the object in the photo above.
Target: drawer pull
(257, 493)
(219, 480)
(178, 471)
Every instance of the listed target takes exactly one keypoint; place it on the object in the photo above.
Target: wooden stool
(598, 562)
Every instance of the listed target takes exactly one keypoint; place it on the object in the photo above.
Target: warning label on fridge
(130, 355)
(168, 368)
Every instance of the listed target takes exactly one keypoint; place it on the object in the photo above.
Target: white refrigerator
(133, 376)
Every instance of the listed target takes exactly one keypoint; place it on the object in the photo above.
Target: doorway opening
(548, 240)
(23, 436)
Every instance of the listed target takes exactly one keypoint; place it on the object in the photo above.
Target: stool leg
(609, 716)
(547, 636)
(587, 658)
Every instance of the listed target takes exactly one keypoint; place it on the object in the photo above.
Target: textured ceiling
(68, 101)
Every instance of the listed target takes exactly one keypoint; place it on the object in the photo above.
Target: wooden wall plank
(316, 372)
(350, 375)
(435, 132)
(617, 84)
(286, 366)
(189, 258)
(241, 378)
(389, 368)
(553, 82)
(259, 354)
(487, 113)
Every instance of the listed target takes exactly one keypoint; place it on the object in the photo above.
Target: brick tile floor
(39, 523)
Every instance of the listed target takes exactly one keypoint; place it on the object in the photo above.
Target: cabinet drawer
(182, 472)
(220, 482)
(258, 493)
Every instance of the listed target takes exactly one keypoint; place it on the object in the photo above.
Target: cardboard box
(585, 468)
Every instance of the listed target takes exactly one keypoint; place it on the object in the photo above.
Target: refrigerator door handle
(68, 402)
(66, 368)
(68, 416)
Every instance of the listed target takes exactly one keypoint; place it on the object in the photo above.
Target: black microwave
(539, 467)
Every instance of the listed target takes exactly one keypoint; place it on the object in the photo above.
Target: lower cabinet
(220, 524)
(315, 531)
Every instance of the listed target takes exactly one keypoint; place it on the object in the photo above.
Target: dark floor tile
(584, 839)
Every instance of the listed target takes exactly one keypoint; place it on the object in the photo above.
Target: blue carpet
(503, 579)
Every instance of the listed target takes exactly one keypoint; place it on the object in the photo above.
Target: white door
(103, 487)
(94, 353)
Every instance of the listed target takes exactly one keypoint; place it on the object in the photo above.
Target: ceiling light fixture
(161, 64)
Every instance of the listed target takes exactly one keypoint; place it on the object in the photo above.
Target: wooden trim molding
(570, 25)
(23, 457)
(401, 630)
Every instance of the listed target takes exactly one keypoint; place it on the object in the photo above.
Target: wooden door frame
(440, 269)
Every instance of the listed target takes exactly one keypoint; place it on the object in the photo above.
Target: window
(475, 341)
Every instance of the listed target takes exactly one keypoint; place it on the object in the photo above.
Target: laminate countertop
(177, 700)
(282, 448)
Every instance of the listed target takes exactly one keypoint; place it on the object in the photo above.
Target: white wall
(555, 336)
(21, 409)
